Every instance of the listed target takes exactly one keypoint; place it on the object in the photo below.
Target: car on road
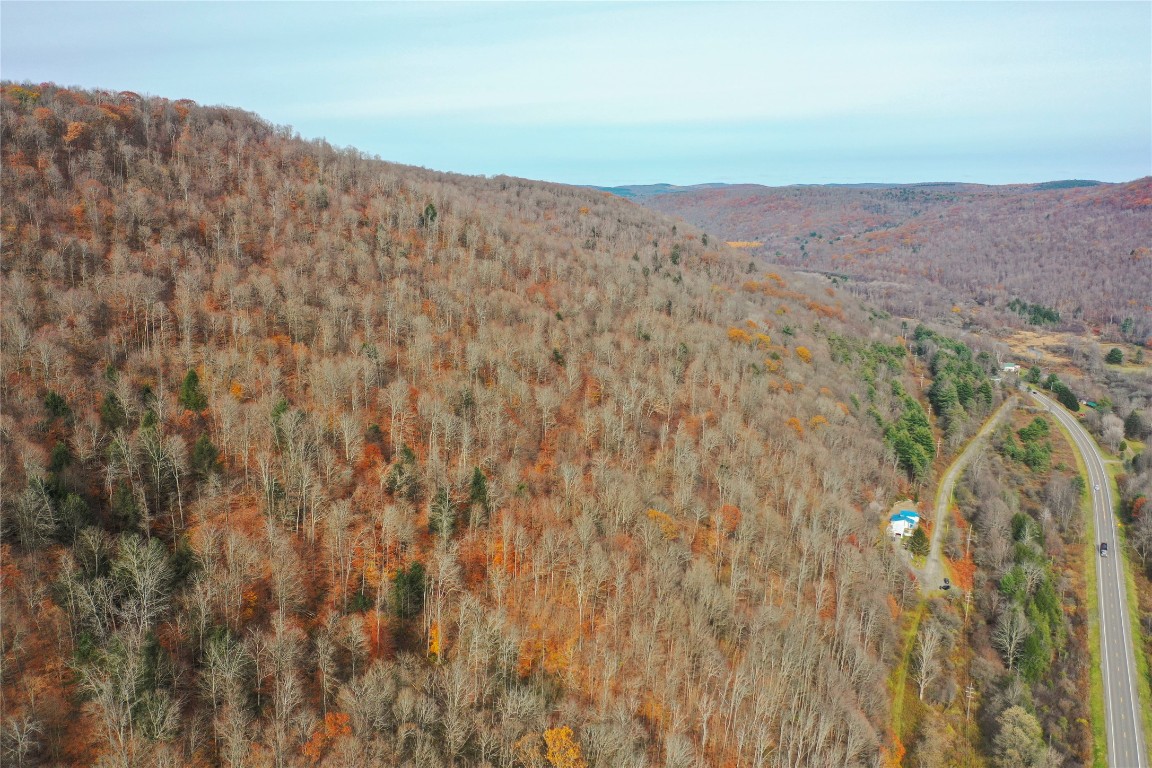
(1096, 487)
(1103, 549)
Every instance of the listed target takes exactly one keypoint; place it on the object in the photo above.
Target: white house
(903, 523)
(1010, 368)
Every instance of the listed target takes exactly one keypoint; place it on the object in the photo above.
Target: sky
(628, 93)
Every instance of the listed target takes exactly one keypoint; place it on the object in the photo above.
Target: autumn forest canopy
(313, 459)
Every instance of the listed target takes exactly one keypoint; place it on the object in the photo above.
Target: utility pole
(968, 593)
(969, 693)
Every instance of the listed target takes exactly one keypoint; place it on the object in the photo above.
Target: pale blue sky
(608, 93)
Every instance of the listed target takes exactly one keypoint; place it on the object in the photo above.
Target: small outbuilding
(903, 523)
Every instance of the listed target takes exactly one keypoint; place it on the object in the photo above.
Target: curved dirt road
(932, 574)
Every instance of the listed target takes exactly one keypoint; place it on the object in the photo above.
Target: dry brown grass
(1046, 348)
(1049, 350)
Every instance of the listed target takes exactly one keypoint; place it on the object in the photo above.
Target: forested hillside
(1080, 253)
(310, 459)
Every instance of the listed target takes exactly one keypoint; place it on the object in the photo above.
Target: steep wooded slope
(313, 459)
(1084, 250)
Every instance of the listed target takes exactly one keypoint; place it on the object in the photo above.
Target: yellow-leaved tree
(563, 751)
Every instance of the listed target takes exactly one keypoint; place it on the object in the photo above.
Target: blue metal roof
(907, 515)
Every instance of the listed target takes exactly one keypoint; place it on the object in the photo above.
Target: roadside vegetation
(1134, 482)
(999, 671)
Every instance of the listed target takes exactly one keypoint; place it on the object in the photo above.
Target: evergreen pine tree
(191, 396)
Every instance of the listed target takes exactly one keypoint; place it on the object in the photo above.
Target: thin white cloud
(753, 80)
(694, 63)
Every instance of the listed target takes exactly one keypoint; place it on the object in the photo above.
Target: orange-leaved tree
(335, 725)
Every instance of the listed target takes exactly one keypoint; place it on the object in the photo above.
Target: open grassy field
(1051, 351)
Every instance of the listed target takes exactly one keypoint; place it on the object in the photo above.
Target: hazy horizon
(925, 183)
(611, 94)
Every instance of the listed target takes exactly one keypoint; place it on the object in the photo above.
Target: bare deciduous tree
(926, 661)
(1011, 631)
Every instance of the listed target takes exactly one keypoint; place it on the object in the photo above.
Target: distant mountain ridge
(646, 190)
(974, 247)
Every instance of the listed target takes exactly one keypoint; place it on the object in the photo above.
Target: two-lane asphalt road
(1122, 711)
